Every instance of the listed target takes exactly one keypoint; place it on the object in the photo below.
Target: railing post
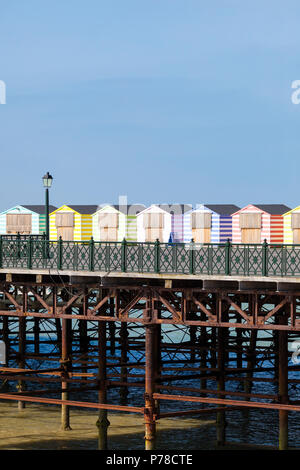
(192, 259)
(91, 250)
(45, 249)
(1, 248)
(156, 256)
(124, 255)
(227, 257)
(265, 258)
(29, 253)
(60, 253)
(18, 245)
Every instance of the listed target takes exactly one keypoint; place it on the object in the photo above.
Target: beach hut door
(296, 227)
(18, 223)
(201, 227)
(153, 225)
(108, 225)
(65, 225)
(250, 225)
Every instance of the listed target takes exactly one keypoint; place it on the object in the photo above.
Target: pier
(107, 313)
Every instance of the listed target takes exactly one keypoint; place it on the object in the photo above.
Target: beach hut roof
(130, 209)
(175, 209)
(222, 209)
(40, 209)
(292, 210)
(82, 209)
(272, 209)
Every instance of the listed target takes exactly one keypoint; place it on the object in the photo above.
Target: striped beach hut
(291, 226)
(24, 219)
(72, 222)
(116, 222)
(209, 223)
(255, 223)
(164, 222)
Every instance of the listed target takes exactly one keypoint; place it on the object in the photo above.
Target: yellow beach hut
(291, 226)
(72, 222)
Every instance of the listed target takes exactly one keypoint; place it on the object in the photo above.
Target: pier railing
(174, 258)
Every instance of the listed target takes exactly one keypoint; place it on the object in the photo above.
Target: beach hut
(291, 226)
(72, 222)
(116, 222)
(24, 219)
(164, 222)
(255, 223)
(209, 223)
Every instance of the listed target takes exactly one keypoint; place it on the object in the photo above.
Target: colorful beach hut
(116, 222)
(255, 223)
(164, 222)
(291, 226)
(72, 222)
(24, 219)
(209, 223)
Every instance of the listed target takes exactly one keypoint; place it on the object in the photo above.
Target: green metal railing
(174, 258)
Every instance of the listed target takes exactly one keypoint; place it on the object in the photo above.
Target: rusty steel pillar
(102, 422)
(36, 333)
(21, 357)
(149, 410)
(112, 327)
(203, 352)
(124, 357)
(213, 348)
(5, 335)
(251, 361)
(283, 384)
(239, 341)
(65, 364)
(83, 341)
(221, 421)
(157, 359)
(193, 338)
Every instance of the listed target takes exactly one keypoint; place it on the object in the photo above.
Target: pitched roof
(176, 209)
(40, 209)
(130, 209)
(83, 209)
(273, 209)
(223, 209)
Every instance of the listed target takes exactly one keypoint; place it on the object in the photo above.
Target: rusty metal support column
(203, 351)
(124, 358)
(5, 334)
(149, 409)
(283, 385)
(213, 348)
(239, 341)
(21, 356)
(221, 421)
(251, 360)
(65, 363)
(102, 422)
(36, 333)
(193, 330)
(83, 341)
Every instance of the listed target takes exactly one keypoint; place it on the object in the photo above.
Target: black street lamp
(47, 181)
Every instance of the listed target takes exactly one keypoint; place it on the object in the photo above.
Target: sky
(169, 101)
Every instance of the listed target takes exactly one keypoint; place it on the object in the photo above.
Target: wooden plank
(250, 220)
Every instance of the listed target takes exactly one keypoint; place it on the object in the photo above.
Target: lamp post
(47, 181)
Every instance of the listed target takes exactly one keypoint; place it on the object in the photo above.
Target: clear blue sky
(161, 100)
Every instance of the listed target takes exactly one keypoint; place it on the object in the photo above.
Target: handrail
(152, 257)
